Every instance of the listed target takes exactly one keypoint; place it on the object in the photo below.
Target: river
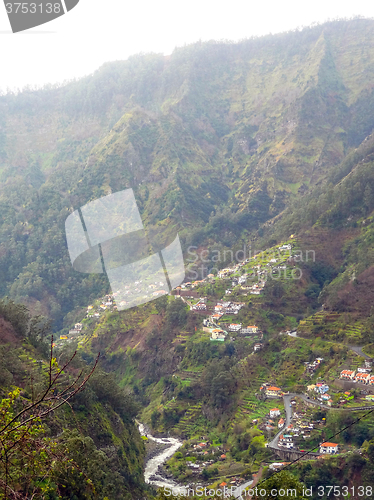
(152, 469)
(151, 472)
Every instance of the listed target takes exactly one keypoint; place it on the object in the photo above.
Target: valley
(256, 398)
(257, 367)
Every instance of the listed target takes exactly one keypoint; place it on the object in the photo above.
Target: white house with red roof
(274, 413)
(216, 317)
(347, 374)
(218, 334)
(329, 448)
(250, 329)
(200, 306)
(362, 377)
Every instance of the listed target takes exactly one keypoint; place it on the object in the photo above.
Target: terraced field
(188, 423)
(188, 376)
(251, 408)
(332, 325)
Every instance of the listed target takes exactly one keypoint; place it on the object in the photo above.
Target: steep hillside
(335, 222)
(87, 448)
(218, 393)
(215, 140)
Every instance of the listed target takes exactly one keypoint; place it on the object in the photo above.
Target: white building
(199, 307)
(364, 378)
(328, 448)
(235, 327)
(347, 374)
(274, 413)
(286, 441)
(74, 332)
(281, 423)
(276, 465)
(217, 334)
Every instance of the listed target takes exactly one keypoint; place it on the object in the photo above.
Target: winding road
(359, 351)
(288, 409)
(152, 470)
(326, 407)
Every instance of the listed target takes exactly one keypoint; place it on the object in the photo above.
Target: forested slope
(88, 447)
(215, 140)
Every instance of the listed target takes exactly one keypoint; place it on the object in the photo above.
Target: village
(361, 376)
(295, 428)
(243, 279)
(218, 330)
(202, 461)
(292, 423)
(301, 430)
(205, 460)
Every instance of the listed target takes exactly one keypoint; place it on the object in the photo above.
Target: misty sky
(96, 31)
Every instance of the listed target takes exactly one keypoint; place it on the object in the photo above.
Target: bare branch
(25, 442)
(14, 493)
(43, 414)
(43, 397)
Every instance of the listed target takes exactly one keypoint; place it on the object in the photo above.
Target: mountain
(215, 140)
(335, 219)
(266, 143)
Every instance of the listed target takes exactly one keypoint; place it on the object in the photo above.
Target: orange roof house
(363, 378)
(273, 391)
(347, 374)
(328, 447)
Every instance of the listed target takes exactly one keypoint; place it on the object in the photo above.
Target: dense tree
(277, 485)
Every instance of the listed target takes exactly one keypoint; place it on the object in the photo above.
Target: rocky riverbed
(159, 450)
